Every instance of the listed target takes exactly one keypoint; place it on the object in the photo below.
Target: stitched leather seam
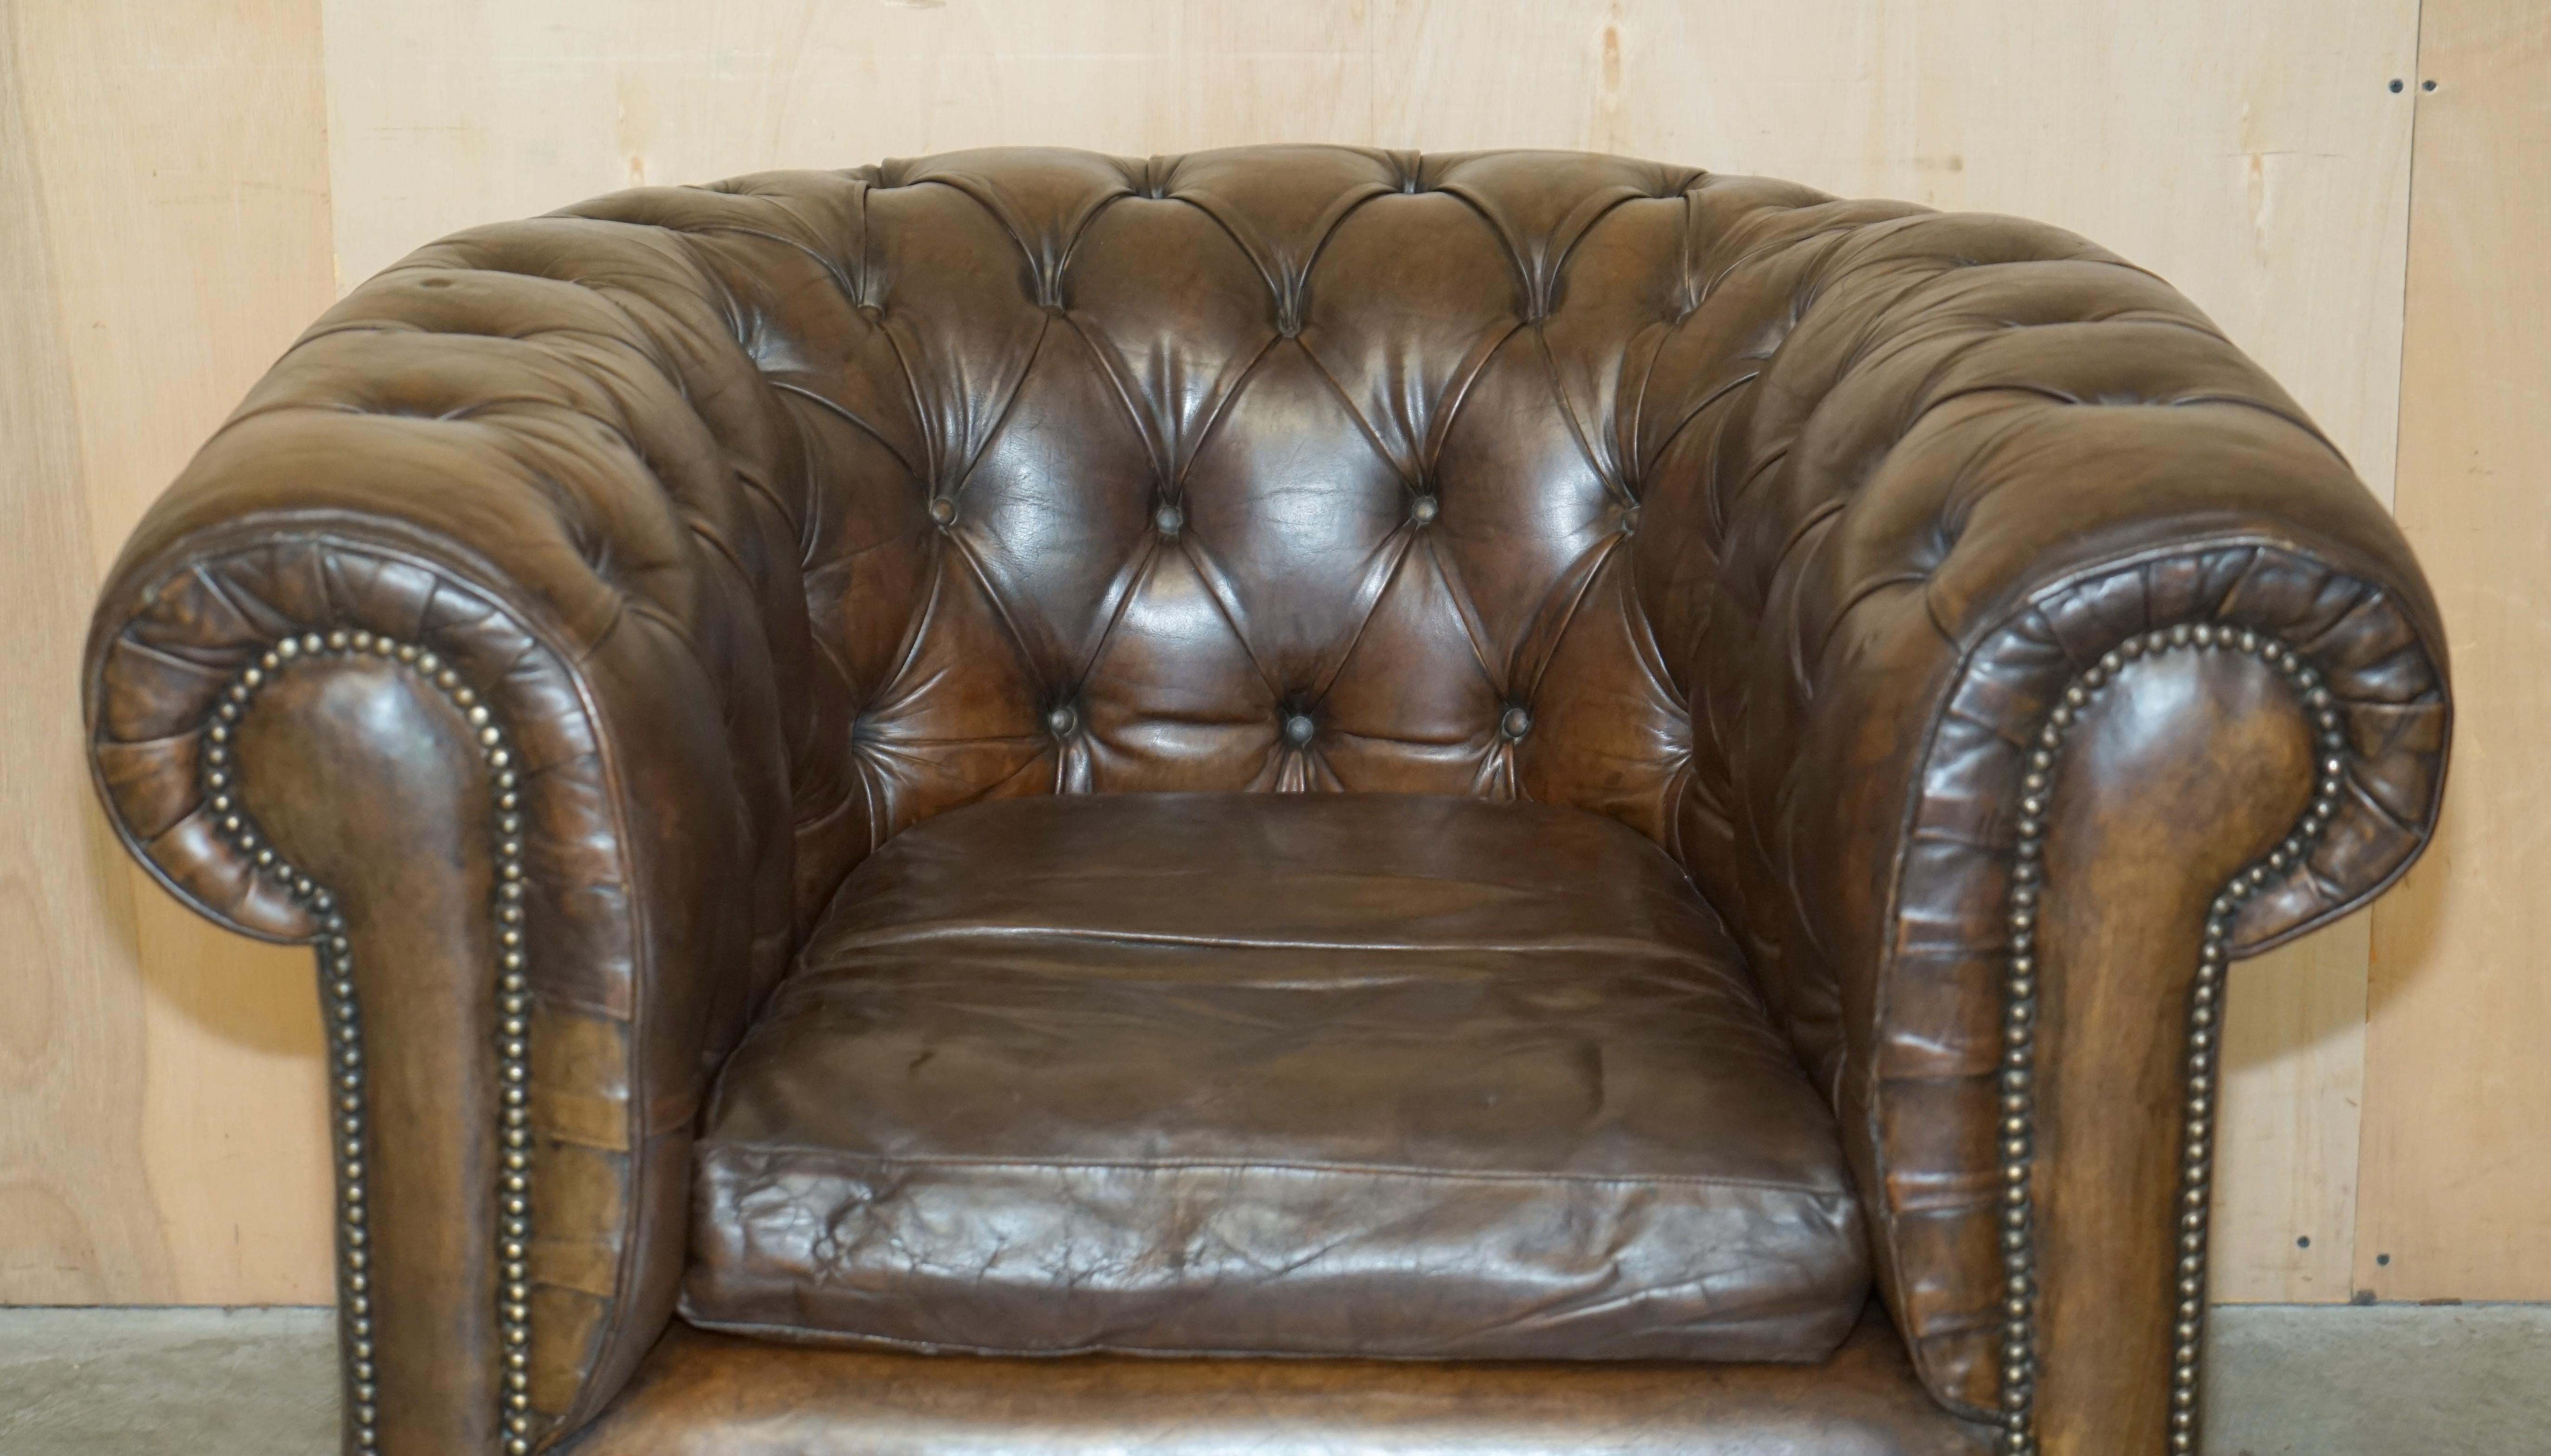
(792, 1334)
(847, 415)
(1841, 1195)
(1641, 949)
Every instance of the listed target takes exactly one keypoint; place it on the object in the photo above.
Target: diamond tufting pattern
(1207, 472)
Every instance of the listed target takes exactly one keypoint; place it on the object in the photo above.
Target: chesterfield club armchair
(1283, 800)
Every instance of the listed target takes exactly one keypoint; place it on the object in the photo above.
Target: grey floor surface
(2469, 1380)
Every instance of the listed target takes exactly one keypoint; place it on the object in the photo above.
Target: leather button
(943, 509)
(1515, 724)
(1422, 509)
(1297, 729)
(1061, 721)
(1168, 520)
(1629, 520)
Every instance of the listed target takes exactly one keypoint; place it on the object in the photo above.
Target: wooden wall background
(185, 183)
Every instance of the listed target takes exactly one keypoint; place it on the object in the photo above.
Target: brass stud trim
(342, 1012)
(2019, 1355)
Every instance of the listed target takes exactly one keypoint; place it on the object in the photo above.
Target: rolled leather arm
(2031, 586)
(452, 654)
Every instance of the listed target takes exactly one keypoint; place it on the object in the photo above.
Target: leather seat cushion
(1274, 1073)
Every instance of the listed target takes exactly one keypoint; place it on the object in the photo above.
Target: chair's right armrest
(2041, 615)
(451, 654)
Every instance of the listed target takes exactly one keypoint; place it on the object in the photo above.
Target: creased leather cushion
(1375, 1075)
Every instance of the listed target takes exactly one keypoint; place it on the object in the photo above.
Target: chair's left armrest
(2055, 661)
(453, 656)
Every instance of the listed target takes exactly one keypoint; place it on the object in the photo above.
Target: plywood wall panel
(199, 161)
(175, 184)
(2457, 1166)
(2285, 1160)
(482, 109)
(73, 1200)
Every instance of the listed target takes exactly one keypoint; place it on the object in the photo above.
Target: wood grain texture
(194, 163)
(176, 191)
(2294, 1078)
(73, 1198)
(484, 109)
(2457, 1165)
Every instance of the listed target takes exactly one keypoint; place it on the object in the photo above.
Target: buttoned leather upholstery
(774, 518)
(1308, 1074)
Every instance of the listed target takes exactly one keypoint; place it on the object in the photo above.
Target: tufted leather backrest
(1300, 470)
(1327, 469)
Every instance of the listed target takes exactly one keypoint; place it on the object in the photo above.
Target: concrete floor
(2469, 1380)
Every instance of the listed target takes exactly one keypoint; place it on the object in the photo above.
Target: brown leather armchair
(1606, 805)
